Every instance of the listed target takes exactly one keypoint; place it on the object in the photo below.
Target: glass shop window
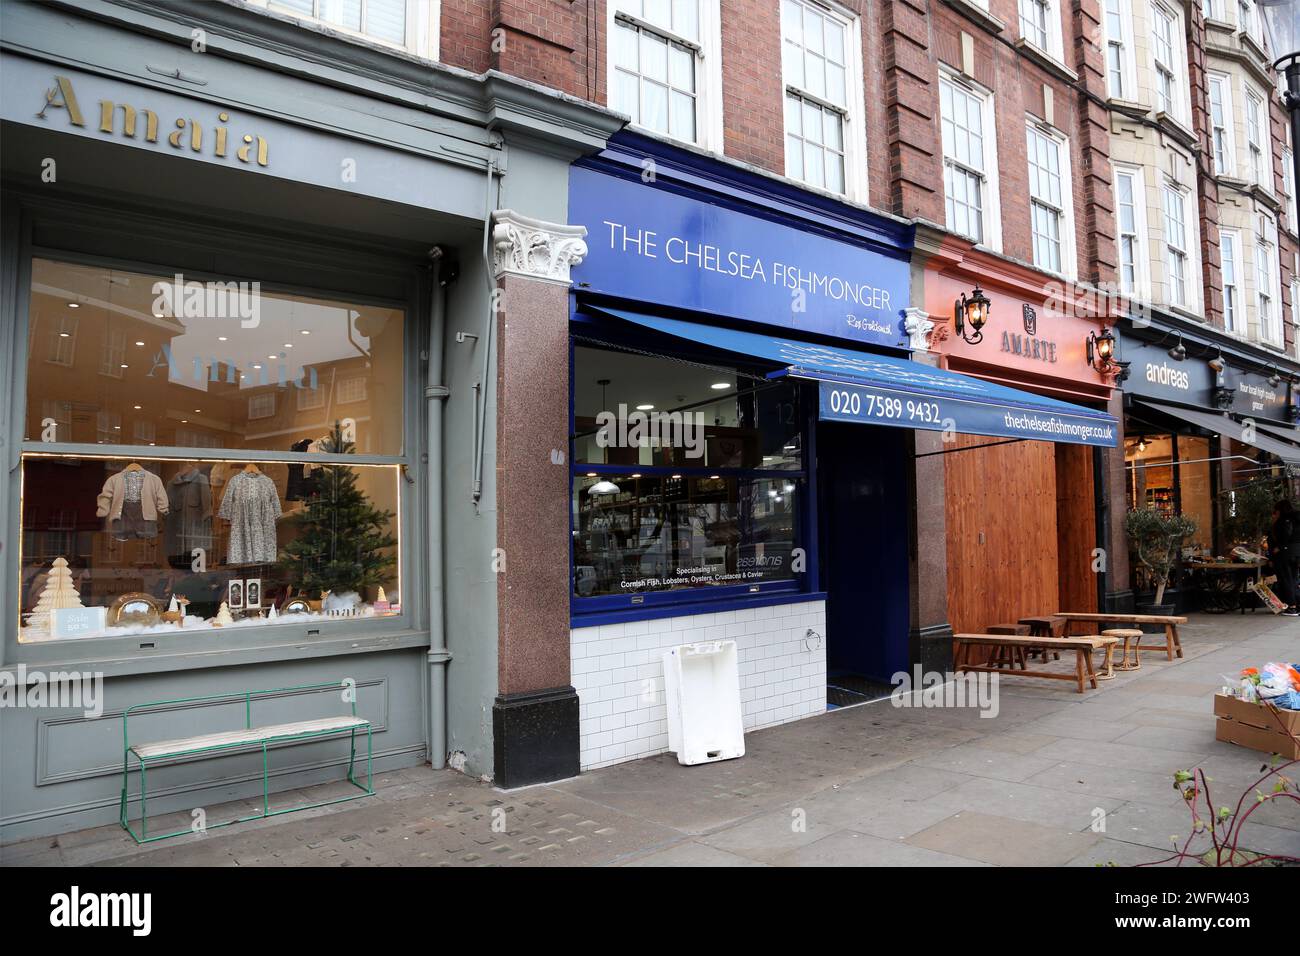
(118, 539)
(118, 546)
(224, 359)
(685, 476)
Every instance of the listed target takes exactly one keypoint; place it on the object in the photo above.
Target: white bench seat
(244, 736)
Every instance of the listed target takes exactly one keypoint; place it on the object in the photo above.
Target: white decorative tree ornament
(223, 616)
(59, 592)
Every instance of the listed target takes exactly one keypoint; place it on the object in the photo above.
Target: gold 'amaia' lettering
(108, 114)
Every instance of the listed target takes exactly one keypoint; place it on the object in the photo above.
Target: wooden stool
(1008, 656)
(1126, 635)
(1109, 660)
(1046, 625)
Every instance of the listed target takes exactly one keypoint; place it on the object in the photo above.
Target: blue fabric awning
(882, 390)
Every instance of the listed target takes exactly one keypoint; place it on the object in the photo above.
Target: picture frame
(235, 594)
(253, 593)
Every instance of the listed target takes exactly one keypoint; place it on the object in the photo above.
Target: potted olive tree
(1158, 539)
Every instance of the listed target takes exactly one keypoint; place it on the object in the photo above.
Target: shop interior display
(59, 592)
(191, 545)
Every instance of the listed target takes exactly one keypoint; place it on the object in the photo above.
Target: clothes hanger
(252, 469)
(134, 466)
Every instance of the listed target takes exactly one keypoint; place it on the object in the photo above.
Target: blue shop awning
(882, 390)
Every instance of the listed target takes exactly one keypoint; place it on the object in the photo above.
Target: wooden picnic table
(1170, 622)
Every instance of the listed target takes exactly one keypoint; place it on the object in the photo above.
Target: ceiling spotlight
(719, 386)
(644, 408)
(74, 305)
(141, 344)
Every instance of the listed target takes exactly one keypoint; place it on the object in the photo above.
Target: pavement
(1055, 779)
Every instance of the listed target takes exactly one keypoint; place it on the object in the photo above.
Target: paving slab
(1003, 841)
(847, 848)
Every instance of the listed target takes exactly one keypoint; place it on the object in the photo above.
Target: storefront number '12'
(850, 403)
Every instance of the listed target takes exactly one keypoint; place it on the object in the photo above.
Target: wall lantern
(1217, 363)
(1101, 350)
(1274, 379)
(972, 311)
(1179, 351)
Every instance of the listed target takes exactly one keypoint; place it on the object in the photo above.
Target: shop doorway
(862, 518)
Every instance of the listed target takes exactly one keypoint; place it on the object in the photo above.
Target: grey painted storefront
(371, 160)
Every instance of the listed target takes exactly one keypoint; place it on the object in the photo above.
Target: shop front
(227, 336)
(755, 454)
(1203, 424)
(1027, 522)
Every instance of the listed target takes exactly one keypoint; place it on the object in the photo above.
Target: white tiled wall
(619, 675)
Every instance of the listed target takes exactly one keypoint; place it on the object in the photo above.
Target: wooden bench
(1083, 646)
(247, 738)
(1170, 623)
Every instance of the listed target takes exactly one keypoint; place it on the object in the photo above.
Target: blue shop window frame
(618, 608)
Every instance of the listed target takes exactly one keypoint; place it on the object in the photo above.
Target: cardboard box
(1258, 726)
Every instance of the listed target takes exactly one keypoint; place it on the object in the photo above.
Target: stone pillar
(535, 715)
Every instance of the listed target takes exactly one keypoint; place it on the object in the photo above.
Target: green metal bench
(247, 737)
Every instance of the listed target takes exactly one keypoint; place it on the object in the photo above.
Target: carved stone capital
(528, 247)
(917, 325)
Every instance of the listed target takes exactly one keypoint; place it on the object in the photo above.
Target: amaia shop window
(188, 491)
(689, 482)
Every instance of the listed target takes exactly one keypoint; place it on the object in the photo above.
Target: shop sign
(1253, 396)
(132, 120)
(873, 405)
(648, 244)
(1154, 374)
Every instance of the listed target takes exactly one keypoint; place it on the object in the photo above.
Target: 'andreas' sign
(143, 123)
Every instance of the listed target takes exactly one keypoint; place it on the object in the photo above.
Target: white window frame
(1125, 45)
(1248, 19)
(311, 398)
(1141, 251)
(1069, 260)
(708, 68)
(1188, 251)
(1257, 153)
(423, 26)
(1268, 283)
(342, 395)
(854, 113)
(1231, 260)
(63, 339)
(1295, 303)
(261, 406)
(1223, 82)
(1052, 16)
(1213, 10)
(1180, 92)
(113, 356)
(1288, 189)
(991, 212)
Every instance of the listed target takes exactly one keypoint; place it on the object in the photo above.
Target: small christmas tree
(59, 592)
(343, 542)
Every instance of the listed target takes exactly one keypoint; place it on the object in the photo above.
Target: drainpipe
(435, 394)
(480, 399)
